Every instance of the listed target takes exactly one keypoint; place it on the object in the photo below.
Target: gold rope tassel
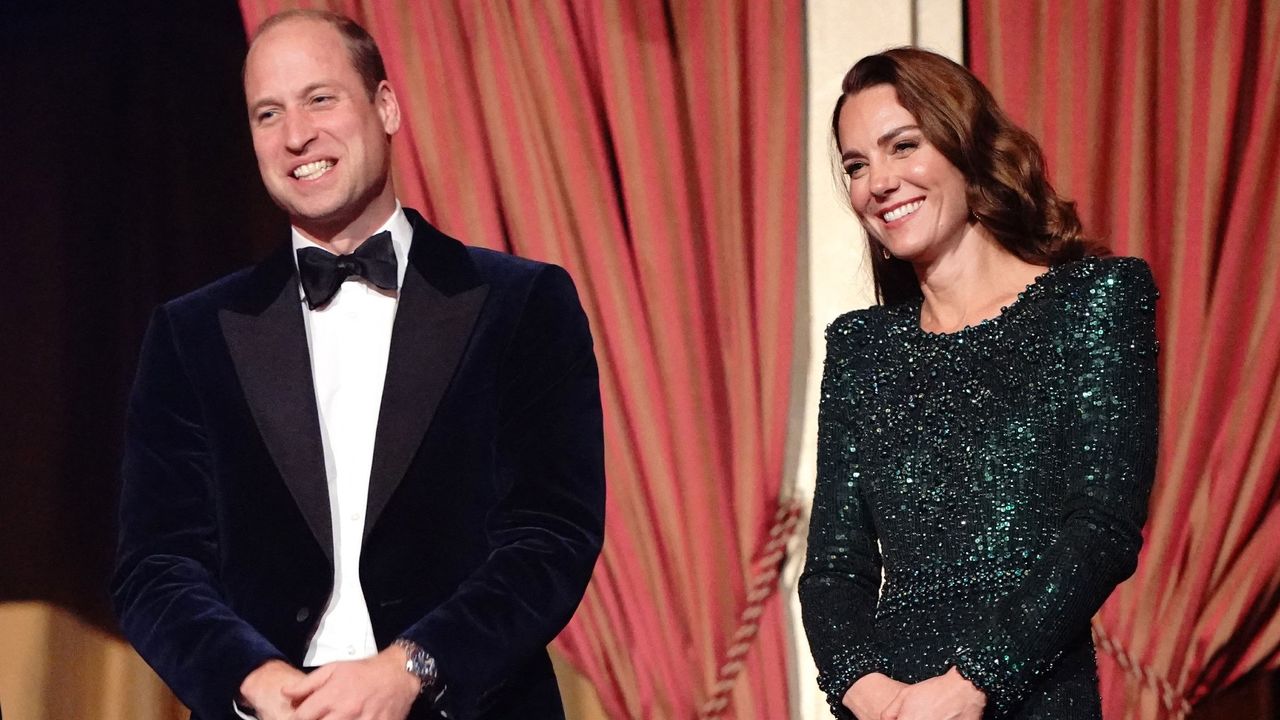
(1173, 699)
(762, 586)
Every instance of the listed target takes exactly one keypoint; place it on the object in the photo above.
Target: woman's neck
(971, 282)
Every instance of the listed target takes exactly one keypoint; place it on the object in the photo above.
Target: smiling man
(363, 479)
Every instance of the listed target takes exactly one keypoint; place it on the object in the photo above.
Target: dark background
(129, 179)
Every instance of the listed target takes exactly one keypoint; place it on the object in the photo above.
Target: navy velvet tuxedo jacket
(486, 499)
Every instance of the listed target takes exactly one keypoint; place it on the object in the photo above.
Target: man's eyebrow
(262, 103)
(304, 92)
(314, 87)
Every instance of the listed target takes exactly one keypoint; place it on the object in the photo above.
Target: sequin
(997, 476)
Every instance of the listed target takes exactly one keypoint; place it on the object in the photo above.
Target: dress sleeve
(1111, 362)
(840, 584)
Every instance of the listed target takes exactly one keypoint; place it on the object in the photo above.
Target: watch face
(420, 664)
(424, 666)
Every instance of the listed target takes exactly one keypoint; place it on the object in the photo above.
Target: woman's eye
(855, 168)
(905, 146)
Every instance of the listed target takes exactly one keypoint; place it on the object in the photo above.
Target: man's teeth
(902, 211)
(312, 170)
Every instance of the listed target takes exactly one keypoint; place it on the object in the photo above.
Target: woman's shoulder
(1106, 299)
(858, 327)
(1113, 281)
(866, 337)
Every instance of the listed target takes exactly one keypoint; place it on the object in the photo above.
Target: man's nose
(299, 131)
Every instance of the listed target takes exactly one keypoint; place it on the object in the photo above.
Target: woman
(987, 433)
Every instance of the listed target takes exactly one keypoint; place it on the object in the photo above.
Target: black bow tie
(322, 272)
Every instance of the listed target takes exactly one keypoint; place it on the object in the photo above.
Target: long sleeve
(841, 579)
(165, 589)
(1111, 352)
(547, 531)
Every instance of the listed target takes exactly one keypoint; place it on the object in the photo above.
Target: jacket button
(303, 614)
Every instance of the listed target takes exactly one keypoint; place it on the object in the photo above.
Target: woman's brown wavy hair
(1007, 189)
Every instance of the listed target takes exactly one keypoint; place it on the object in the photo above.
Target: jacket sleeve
(546, 532)
(1112, 361)
(840, 585)
(165, 588)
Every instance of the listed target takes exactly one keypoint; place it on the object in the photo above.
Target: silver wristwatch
(422, 666)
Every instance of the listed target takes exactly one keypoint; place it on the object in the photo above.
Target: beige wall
(839, 32)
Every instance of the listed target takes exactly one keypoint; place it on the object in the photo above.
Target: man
(376, 457)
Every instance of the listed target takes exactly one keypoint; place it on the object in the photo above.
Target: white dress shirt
(349, 339)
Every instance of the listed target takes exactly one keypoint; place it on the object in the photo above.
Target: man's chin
(322, 217)
(304, 214)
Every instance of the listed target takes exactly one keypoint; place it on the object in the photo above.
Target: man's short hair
(363, 51)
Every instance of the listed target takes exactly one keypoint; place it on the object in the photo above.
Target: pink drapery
(1163, 121)
(652, 148)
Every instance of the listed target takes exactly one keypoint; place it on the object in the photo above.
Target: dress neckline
(1033, 289)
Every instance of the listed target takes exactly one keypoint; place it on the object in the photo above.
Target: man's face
(323, 144)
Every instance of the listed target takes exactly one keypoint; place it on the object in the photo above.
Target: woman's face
(905, 192)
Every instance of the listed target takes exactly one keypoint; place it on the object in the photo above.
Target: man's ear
(388, 107)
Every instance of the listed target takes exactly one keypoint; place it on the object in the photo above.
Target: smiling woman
(987, 434)
(926, 102)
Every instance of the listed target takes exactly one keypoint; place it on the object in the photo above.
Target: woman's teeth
(902, 211)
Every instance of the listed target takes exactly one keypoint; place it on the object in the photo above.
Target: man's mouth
(901, 211)
(313, 170)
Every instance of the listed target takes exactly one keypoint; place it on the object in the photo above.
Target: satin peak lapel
(269, 348)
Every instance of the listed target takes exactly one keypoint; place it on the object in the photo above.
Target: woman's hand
(870, 695)
(946, 697)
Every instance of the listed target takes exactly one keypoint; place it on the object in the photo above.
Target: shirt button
(303, 614)
(351, 650)
(355, 517)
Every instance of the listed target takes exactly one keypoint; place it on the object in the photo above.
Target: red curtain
(653, 149)
(1163, 120)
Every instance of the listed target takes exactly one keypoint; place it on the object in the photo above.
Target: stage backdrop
(1163, 121)
(129, 179)
(653, 149)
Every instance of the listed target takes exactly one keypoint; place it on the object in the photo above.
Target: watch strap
(422, 665)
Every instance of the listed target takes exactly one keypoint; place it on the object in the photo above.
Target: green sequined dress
(999, 475)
